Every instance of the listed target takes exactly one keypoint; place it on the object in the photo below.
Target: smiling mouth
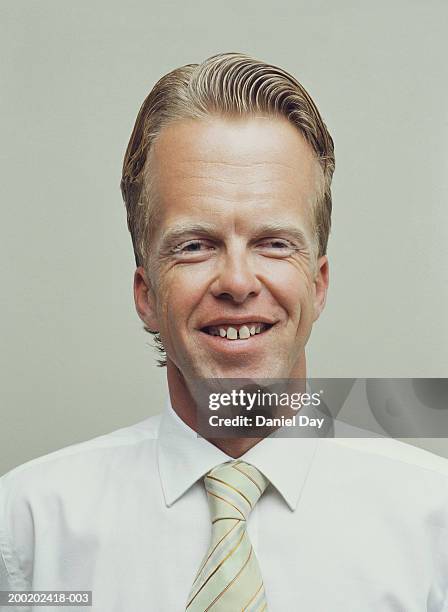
(237, 332)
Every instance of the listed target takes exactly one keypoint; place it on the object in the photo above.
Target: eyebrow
(177, 233)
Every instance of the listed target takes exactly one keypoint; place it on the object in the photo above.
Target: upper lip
(238, 320)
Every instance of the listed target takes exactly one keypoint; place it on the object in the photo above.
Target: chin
(243, 371)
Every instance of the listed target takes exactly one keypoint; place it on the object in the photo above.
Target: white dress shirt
(354, 525)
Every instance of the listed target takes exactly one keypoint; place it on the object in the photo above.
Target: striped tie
(229, 578)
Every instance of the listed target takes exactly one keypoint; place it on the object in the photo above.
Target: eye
(192, 247)
(277, 246)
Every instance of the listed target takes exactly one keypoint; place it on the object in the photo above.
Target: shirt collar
(183, 458)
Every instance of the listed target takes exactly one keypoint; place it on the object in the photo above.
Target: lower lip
(236, 346)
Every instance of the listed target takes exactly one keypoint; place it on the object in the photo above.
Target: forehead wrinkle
(205, 191)
(191, 165)
(210, 162)
(227, 181)
(227, 186)
(184, 170)
(195, 165)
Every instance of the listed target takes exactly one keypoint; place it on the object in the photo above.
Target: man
(226, 182)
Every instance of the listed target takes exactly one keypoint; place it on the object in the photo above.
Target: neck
(185, 407)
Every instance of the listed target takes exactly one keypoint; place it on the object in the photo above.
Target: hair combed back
(229, 84)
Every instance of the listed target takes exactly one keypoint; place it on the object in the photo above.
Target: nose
(236, 280)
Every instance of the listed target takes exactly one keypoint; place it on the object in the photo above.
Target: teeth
(232, 333)
(244, 332)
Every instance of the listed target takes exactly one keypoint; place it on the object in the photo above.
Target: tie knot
(233, 489)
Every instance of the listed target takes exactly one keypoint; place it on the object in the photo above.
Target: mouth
(237, 332)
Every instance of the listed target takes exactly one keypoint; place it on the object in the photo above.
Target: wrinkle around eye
(284, 248)
(183, 250)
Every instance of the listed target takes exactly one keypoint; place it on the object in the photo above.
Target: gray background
(74, 359)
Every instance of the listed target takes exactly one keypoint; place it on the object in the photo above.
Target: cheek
(291, 285)
(180, 290)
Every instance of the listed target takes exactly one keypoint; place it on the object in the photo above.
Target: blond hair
(227, 84)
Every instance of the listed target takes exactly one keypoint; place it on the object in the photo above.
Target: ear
(145, 299)
(321, 282)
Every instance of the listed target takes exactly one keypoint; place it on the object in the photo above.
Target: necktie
(229, 578)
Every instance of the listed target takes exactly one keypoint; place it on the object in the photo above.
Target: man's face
(235, 285)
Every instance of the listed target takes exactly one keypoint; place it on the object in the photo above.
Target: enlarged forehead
(238, 160)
